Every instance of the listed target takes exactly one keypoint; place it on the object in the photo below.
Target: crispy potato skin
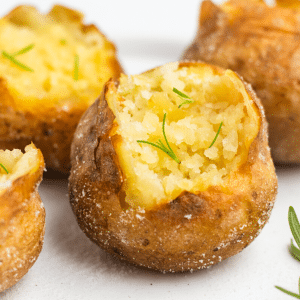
(261, 43)
(22, 226)
(193, 231)
(51, 129)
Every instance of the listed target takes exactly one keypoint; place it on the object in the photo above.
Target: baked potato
(260, 43)
(22, 214)
(171, 169)
(52, 68)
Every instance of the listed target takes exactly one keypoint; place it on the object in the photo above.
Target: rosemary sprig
(185, 98)
(22, 51)
(214, 140)
(76, 67)
(4, 168)
(160, 145)
(295, 252)
(12, 58)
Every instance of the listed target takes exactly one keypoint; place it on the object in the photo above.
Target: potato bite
(52, 68)
(259, 42)
(171, 169)
(22, 214)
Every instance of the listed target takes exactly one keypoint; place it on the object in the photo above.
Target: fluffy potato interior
(139, 103)
(15, 164)
(58, 38)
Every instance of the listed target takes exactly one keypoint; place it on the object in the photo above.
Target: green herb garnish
(76, 67)
(160, 145)
(288, 292)
(16, 62)
(185, 98)
(12, 58)
(294, 225)
(295, 252)
(22, 51)
(63, 42)
(216, 135)
(4, 168)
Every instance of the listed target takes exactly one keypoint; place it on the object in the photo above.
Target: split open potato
(52, 68)
(22, 214)
(171, 169)
(261, 43)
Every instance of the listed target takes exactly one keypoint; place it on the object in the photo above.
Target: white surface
(70, 267)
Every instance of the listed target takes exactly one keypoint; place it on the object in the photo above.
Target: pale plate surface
(70, 267)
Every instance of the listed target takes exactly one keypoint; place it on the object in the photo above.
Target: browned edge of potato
(193, 231)
(22, 223)
(260, 43)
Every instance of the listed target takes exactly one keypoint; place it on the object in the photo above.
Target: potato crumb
(211, 153)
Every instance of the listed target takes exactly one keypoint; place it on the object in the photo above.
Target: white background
(148, 34)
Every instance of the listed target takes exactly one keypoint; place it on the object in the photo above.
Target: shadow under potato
(52, 174)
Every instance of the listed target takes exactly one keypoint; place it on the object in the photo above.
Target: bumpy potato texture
(260, 43)
(64, 66)
(22, 214)
(165, 212)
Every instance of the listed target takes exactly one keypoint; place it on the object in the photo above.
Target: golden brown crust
(50, 128)
(22, 226)
(192, 231)
(261, 44)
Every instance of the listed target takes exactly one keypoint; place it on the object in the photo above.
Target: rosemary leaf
(4, 168)
(164, 133)
(22, 51)
(287, 292)
(185, 102)
(160, 145)
(186, 99)
(152, 144)
(216, 135)
(76, 67)
(294, 225)
(16, 62)
(63, 42)
(180, 94)
(295, 252)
